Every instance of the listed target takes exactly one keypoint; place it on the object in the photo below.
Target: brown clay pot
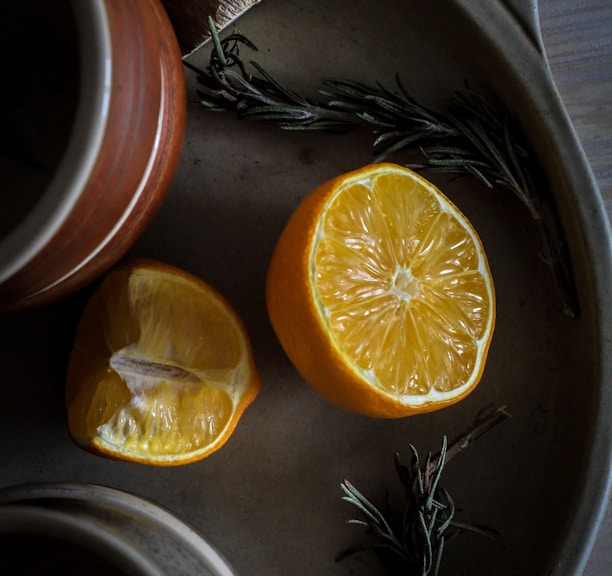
(91, 159)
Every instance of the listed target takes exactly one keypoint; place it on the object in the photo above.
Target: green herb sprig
(471, 137)
(414, 544)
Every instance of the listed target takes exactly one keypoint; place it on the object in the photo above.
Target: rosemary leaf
(432, 489)
(283, 92)
(470, 137)
(449, 505)
(427, 521)
(367, 508)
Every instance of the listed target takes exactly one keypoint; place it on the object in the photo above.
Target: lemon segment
(161, 369)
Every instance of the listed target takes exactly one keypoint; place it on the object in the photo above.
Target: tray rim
(513, 27)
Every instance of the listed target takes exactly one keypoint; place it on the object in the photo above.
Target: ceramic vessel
(94, 125)
(80, 528)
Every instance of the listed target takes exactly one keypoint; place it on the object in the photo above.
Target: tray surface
(270, 500)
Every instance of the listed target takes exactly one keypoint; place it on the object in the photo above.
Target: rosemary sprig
(471, 137)
(414, 545)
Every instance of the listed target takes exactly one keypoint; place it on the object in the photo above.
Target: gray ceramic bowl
(91, 529)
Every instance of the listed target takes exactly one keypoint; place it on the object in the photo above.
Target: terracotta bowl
(93, 125)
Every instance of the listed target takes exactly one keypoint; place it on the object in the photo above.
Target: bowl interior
(52, 118)
(41, 540)
(38, 104)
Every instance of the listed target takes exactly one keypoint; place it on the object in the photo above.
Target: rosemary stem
(480, 426)
(415, 546)
(471, 137)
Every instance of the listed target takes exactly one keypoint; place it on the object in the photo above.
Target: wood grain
(578, 40)
(577, 36)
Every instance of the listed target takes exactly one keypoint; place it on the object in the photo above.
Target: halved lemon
(161, 369)
(380, 293)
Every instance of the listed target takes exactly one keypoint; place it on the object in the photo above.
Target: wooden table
(577, 35)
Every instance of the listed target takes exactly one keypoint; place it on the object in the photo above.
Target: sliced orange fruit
(380, 293)
(161, 369)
